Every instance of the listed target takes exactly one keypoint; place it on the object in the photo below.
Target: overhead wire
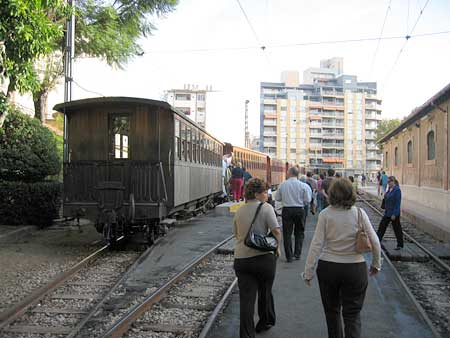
(299, 44)
(263, 48)
(87, 90)
(407, 38)
(379, 39)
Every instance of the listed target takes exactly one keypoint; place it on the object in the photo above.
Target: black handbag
(260, 242)
(383, 203)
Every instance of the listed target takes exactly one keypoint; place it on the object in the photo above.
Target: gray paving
(387, 313)
(181, 245)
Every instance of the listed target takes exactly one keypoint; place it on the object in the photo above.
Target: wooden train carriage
(154, 158)
(278, 170)
(254, 162)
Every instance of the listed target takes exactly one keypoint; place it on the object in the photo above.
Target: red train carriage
(257, 164)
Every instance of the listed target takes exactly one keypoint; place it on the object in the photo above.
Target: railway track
(185, 305)
(426, 280)
(61, 307)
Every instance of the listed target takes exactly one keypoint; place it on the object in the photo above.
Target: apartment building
(191, 101)
(328, 121)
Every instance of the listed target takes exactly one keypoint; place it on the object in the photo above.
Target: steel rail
(122, 326)
(92, 312)
(419, 307)
(212, 318)
(19, 309)
(438, 261)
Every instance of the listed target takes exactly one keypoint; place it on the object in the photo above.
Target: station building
(416, 153)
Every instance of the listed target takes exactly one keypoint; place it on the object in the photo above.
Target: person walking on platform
(379, 183)
(308, 206)
(237, 181)
(325, 185)
(247, 176)
(255, 269)
(392, 202)
(294, 197)
(341, 270)
(320, 198)
(384, 182)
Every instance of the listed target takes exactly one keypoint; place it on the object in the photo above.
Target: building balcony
(371, 127)
(269, 144)
(373, 106)
(370, 136)
(372, 116)
(270, 123)
(270, 133)
(270, 101)
(332, 145)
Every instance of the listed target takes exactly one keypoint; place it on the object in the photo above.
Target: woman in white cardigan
(341, 271)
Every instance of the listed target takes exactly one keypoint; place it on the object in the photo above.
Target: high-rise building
(328, 121)
(191, 101)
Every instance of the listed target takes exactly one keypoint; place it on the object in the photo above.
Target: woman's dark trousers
(342, 288)
(395, 225)
(255, 276)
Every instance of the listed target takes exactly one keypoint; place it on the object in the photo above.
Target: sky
(211, 43)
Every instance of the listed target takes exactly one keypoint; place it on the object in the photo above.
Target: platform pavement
(387, 312)
(433, 221)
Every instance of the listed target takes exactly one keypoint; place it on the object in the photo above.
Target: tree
(385, 126)
(107, 30)
(28, 30)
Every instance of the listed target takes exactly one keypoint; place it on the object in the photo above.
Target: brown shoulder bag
(362, 239)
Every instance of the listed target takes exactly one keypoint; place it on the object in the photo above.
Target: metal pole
(247, 135)
(68, 70)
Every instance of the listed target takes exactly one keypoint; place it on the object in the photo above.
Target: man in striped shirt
(294, 197)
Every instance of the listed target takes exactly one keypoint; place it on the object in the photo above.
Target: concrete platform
(387, 312)
(432, 221)
(228, 208)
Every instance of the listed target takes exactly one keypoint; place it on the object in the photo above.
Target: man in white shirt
(294, 196)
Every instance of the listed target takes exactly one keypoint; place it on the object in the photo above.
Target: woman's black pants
(255, 276)
(343, 289)
(397, 229)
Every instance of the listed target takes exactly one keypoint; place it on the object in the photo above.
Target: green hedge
(29, 203)
(28, 150)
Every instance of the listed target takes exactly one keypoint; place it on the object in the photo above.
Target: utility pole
(69, 51)
(247, 134)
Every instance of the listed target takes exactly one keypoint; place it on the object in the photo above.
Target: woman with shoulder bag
(341, 268)
(255, 269)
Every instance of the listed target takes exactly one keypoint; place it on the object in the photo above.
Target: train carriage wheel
(132, 209)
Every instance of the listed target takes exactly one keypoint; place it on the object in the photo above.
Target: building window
(409, 149)
(386, 160)
(396, 156)
(183, 97)
(200, 97)
(430, 145)
(119, 130)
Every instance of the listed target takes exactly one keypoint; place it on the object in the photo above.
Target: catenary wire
(87, 90)
(300, 44)
(407, 38)
(379, 39)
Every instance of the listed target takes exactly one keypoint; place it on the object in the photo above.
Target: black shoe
(260, 328)
(289, 260)
(297, 258)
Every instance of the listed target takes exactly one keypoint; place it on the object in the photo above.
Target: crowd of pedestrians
(333, 257)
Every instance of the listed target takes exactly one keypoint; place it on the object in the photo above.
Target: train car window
(194, 145)
(188, 144)
(177, 140)
(183, 141)
(119, 130)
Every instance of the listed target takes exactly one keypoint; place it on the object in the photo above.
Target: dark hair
(392, 178)
(341, 193)
(243, 168)
(383, 172)
(255, 186)
(337, 175)
(330, 172)
(293, 171)
(309, 174)
(321, 176)
(351, 179)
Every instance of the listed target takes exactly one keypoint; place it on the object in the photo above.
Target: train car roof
(70, 106)
(247, 149)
